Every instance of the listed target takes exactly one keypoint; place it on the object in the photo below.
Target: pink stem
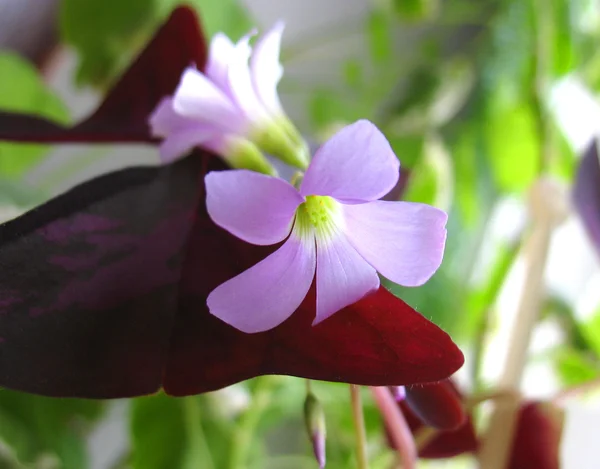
(397, 426)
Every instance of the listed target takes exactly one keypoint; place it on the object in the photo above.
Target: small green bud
(279, 142)
(314, 417)
(243, 154)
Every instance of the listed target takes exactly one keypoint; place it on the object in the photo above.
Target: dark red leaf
(586, 193)
(91, 283)
(537, 439)
(122, 117)
(437, 405)
(378, 341)
(445, 399)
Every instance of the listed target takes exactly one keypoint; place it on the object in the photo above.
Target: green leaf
(106, 34)
(158, 434)
(34, 425)
(563, 37)
(509, 59)
(415, 10)
(419, 92)
(564, 163)
(575, 368)
(432, 178)
(227, 16)
(16, 194)
(353, 73)
(24, 91)
(591, 332)
(481, 299)
(408, 148)
(440, 300)
(422, 185)
(326, 107)
(512, 143)
(379, 35)
(464, 153)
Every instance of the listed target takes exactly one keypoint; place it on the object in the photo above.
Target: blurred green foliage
(460, 90)
(40, 429)
(106, 34)
(23, 90)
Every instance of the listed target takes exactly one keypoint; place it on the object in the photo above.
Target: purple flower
(231, 108)
(335, 226)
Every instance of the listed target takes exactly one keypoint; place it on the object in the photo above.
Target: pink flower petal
(254, 207)
(266, 294)
(198, 98)
(181, 134)
(240, 82)
(266, 69)
(356, 165)
(219, 56)
(164, 119)
(343, 276)
(404, 241)
(181, 141)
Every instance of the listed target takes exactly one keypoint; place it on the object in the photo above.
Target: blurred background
(478, 99)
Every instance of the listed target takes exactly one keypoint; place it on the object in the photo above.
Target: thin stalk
(244, 431)
(547, 209)
(498, 276)
(541, 82)
(578, 390)
(199, 454)
(359, 424)
(397, 426)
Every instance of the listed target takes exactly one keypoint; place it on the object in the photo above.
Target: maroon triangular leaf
(379, 340)
(586, 193)
(537, 438)
(438, 405)
(444, 399)
(95, 302)
(123, 115)
(89, 284)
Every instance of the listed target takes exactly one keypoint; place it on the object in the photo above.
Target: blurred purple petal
(219, 57)
(586, 193)
(240, 83)
(256, 208)
(181, 134)
(343, 276)
(266, 69)
(356, 165)
(399, 392)
(181, 142)
(266, 294)
(404, 241)
(198, 98)
(318, 442)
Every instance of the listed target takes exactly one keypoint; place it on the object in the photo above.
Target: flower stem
(547, 207)
(244, 431)
(576, 390)
(500, 271)
(198, 452)
(359, 424)
(397, 426)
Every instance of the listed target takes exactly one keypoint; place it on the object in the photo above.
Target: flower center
(319, 212)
